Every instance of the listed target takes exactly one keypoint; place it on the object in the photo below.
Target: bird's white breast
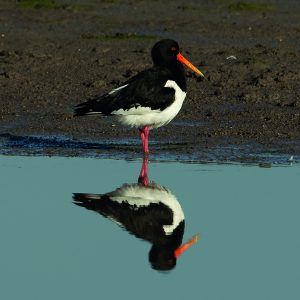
(145, 116)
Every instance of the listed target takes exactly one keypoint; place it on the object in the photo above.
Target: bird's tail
(98, 203)
(89, 201)
(87, 108)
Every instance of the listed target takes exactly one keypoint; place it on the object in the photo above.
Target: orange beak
(188, 64)
(185, 246)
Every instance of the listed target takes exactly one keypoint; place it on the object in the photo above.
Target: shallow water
(247, 218)
(130, 149)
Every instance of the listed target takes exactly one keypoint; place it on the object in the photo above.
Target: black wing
(146, 89)
(143, 222)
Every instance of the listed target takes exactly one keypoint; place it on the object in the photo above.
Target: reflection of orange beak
(188, 64)
(182, 248)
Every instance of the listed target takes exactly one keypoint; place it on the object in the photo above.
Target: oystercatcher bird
(148, 211)
(150, 99)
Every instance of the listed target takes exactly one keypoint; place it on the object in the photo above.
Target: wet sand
(56, 54)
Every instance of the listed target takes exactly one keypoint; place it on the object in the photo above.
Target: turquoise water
(247, 217)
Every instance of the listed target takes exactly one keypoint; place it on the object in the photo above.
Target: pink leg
(143, 177)
(144, 133)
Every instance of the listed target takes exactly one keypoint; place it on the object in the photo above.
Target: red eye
(173, 49)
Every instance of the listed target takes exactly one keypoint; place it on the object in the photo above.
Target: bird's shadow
(16, 144)
(38, 142)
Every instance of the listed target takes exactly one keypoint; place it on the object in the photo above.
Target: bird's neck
(178, 75)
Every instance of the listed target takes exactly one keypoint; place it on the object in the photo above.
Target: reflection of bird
(150, 99)
(147, 210)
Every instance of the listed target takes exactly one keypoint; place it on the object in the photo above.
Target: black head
(162, 258)
(164, 52)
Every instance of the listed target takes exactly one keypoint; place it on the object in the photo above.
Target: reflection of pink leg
(143, 177)
(144, 133)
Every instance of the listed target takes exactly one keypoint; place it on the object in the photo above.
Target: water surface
(247, 217)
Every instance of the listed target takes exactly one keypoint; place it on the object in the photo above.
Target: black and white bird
(150, 99)
(151, 213)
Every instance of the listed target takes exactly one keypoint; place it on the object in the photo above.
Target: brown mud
(55, 54)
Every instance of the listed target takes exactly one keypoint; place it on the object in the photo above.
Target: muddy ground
(55, 54)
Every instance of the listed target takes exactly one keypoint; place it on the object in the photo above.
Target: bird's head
(166, 53)
(164, 258)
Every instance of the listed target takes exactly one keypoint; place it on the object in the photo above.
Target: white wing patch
(117, 89)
